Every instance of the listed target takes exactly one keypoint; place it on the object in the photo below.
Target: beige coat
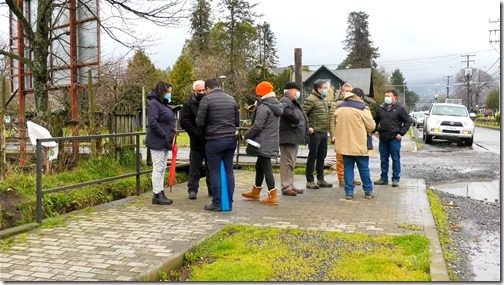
(351, 126)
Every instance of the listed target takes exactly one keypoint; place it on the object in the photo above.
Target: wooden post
(3, 146)
(298, 69)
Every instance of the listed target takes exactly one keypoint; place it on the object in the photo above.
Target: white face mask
(298, 94)
(388, 100)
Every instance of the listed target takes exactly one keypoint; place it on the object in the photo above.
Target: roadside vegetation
(249, 253)
(442, 226)
(18, 190)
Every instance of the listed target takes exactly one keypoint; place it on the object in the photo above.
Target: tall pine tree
(182, 77)
(201, 25)
(267, 45)
(358, 44)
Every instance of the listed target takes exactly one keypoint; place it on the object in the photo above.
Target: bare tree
(475, 91)
(119, 21)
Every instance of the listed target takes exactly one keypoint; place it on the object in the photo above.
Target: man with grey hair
(197, 153)
(347, 87)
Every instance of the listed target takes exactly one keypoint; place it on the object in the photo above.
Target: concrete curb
(438, 269)
(172, 263)
(28, 227)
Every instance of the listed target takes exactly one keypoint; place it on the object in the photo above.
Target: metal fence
(38, 150)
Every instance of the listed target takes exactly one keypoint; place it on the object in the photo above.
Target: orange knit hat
(264, 88)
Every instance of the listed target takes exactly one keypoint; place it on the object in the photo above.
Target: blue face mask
(324, 93)
(168, 96)
(388, 100)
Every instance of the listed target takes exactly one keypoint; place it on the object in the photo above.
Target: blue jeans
(390, 148)
(217, 150)
(364, 172)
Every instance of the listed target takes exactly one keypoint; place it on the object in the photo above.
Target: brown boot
(272, 198)
(254, 194)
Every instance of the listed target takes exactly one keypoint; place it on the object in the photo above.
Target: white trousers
(159, 159)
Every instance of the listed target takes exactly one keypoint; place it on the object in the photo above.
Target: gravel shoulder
(473, 223)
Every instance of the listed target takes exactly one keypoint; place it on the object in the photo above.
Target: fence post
(138, 160)
(38, 150)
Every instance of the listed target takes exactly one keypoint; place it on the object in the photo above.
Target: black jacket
(161, 124)
(188, 116)
(218, 115)
(392, 121)
(293, 122)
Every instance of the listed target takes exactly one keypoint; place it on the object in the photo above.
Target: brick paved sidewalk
(135, 239)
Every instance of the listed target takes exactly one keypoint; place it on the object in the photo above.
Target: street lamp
(223, 79)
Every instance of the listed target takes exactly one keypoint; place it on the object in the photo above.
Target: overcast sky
(421, 38)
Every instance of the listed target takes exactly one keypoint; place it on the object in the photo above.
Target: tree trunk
(40, 61)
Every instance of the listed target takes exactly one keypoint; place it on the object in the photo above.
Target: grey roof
(357, 77)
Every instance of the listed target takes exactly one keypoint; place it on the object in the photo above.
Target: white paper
(38, 132)
(253, 143)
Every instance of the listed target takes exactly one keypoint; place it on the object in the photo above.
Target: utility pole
(448, 86)
(497, 41)
(298, 70)
(468, 73)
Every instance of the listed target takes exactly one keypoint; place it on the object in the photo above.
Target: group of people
(211, 117)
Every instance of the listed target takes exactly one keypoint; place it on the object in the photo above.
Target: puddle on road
(485, 258)
(484, 191)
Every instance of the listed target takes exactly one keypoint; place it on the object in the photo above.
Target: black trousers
(196, 158)
(317, 151)
(264, 170)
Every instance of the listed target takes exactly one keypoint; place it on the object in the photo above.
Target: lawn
(248, 253)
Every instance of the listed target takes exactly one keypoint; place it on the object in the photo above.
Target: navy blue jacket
(161, 121)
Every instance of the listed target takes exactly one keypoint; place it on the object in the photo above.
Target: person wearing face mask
(159, 138)
(392, 123)
(317, 111)
(197, 154)
(293, 132)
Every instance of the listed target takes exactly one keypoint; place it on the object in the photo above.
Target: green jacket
(334, 105)
(317, 110)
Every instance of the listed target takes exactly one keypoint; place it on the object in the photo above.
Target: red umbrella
(173, 161)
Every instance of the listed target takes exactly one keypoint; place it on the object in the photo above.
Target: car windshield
(449, 111)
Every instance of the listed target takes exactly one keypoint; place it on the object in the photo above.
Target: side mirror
(426, 113)
(472, 115)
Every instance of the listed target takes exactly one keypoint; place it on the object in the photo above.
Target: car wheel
(468, 142)
(428, 138)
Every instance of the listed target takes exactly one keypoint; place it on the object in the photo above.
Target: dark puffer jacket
(161, 124)
(264, 130)
(317, 110)
(293, 122)
(218, 115)
(392, 121)
(188, 116)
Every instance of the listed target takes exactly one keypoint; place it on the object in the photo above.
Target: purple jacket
(161, 120)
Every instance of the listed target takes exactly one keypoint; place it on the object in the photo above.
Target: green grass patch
(410, 227)
(183, 140)
(7, 244)
(248, 253)
(442, 225)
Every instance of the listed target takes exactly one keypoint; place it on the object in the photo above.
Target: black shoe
(192, 195)
(212, 207)
(161, 199)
